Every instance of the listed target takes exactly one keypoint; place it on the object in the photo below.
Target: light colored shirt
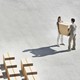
(73, 29)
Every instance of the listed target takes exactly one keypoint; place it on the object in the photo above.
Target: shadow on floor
(3, 71)
(2, 66)
(44, 51)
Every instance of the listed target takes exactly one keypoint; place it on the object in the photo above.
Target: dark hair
(73, 20)
(58, 18)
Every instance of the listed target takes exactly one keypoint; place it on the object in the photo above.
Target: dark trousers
(72, 38)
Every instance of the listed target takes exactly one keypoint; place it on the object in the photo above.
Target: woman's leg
(61, 39)
(58, 39)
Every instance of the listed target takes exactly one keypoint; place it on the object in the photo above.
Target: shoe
(62, 44)
(73, 49)
(58, 45)
(69, 49)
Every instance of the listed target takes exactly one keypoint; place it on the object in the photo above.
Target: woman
(59, 35)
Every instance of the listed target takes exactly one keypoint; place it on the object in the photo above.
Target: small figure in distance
(59, 35)
(72, 36)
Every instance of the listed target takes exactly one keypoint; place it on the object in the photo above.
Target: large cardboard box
(64, 28)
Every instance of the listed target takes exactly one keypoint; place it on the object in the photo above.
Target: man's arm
(69, 30)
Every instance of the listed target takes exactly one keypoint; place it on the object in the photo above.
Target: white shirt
(73, 29)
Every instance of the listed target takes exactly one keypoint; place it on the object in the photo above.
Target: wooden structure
(11, 67)
(28, 70)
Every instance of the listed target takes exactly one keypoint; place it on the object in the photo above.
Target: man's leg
(74, 42)
(69, 43)
(58, 39)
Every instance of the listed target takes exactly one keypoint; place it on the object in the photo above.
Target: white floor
(28, 29)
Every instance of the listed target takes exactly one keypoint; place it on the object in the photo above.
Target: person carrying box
(59, 35)
(72, 36)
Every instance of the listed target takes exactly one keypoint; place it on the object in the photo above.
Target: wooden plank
(29, 61)
(11, 78)
(25, 75)
(8, 57)
(30, 70)
(16, 71)
(26, 62)
(35, 77)
(9, 72)
(13, 72)
(15, 78)
(10, 64)
(30, 77)
(22, 68)
(18, 78)
(33, 70)
(63, 28)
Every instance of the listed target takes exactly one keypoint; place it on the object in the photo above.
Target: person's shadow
(44, 51)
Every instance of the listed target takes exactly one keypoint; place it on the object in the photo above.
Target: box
(64, 28)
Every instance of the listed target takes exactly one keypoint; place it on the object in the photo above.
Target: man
(72, 36)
